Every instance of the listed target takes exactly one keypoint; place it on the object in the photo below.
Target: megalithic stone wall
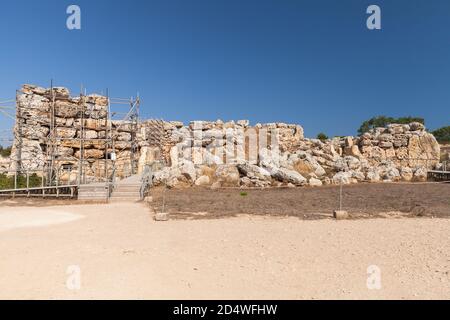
(226, 153)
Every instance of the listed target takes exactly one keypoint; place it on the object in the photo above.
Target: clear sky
(309, 62)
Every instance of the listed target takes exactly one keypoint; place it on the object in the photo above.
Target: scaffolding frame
(54, 142)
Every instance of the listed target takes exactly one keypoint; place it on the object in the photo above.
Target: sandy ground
(122, 253)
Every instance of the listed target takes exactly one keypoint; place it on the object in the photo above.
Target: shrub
(7, 182)
(442, 135)
(383, 121)
(5, 152)
(322, 136)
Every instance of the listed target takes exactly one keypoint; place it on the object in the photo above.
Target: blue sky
(309, 62)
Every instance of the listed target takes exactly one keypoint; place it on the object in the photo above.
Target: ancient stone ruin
(76, 137)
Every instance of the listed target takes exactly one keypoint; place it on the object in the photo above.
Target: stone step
(136, 185)
(86, 190)
(119, 199)
(92, 193)
(126, 189)
(91, 197)
(126, 194)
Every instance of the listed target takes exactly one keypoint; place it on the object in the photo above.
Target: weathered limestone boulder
(91, 153)
(95, 112)
(347, 163)
(64, 152)
(406, 173)
(98, 100)
(243, 123)
(388, 171)
(313, 182)
(64, 132)
(268, 158)
(66, 109)
(123, 136)
(253, 171)
(227, 175)
(147, 156)
(392, 174)
(29, 103)
(423, 150)
(358, 176)
(420, 174)
(343, 178)
(168, 176)
(304, 163)
(5, 163)
(89, 134)
(30, 154)
(203, 181)
(288, 176)
(187, 169)
(34, 131)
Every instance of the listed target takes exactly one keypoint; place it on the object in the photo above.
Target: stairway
(127, 190)
(93, 192)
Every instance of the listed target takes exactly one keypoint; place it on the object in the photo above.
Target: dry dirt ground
(360, 200)
(122, 253)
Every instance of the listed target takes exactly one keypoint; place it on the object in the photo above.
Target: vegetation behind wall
(7, 182)
(5, 152)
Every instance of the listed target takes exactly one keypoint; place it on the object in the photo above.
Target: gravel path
(122, 253)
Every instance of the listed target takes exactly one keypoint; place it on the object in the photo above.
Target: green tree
(382, 121)
(8, 182)
(442, 135)
(5, 152)
(322, 136)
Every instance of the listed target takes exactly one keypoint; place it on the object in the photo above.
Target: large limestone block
(61, 92)
(92, 124)
(30, 153)
(342, 178)
(65, 132)
(34, 132)
(5, 163)
(420, 174)
(374, 153)
(423, 151)
(91, 153)
(95, 112)
(288, 176)
(406, 173)
(228, 175)
(64, 151)
(253, 172)
(88, 134)
(123, 136)
(98, 100)
(32, 101)
(66, 109)
(203, 181)
(187, 169)
(148, 155)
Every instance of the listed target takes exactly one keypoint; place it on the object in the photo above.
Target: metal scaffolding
(58, 163)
